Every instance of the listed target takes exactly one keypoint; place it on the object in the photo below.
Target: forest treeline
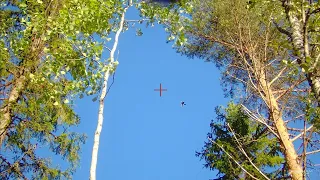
(266, 50)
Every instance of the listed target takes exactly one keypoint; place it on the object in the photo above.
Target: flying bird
(183, 103)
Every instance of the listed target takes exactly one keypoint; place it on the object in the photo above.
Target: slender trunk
(101, 102)
(304, 156)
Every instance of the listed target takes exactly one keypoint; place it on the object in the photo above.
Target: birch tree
(110, 67)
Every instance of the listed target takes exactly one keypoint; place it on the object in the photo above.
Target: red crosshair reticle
(161, 89)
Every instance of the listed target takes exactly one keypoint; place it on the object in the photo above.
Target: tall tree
(110, 67)
(48, 58)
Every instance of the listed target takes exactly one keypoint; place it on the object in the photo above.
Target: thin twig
(254, 117)
(313, 152)
(277, 76)
(299, 135)
(111, 83)
(136, 20)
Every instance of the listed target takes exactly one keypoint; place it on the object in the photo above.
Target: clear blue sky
(146, 136)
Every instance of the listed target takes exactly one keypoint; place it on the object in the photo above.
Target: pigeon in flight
(183, 103)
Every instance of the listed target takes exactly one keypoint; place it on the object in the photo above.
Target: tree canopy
(49, 57)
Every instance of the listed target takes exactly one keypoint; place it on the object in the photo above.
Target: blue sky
(146, 136)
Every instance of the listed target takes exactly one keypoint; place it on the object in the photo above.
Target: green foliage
(49, 56)
(262, 150)
(170, 17)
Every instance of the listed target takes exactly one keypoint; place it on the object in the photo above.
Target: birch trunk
(301, 47)
(101, 101)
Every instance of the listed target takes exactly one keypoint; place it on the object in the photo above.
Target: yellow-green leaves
(57, 48)
(173, 17)
(31, 76)
(66, 101)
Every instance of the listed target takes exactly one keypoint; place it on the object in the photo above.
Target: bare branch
(313, 152)
(290, 89)
(294, 129)
(260, 120)
(313, 67)
(136, 20)
(305, 142)
(277, 77)
(280, 29)
(299, 135)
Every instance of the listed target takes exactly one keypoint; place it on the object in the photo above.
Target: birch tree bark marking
(301, 47)
(101, 101)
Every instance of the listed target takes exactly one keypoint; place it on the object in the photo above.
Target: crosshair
(160, 89)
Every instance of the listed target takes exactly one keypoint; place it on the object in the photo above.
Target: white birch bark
(301, 46)
(107, 74)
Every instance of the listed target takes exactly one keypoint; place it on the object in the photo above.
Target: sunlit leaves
(54, 48)
(169, 17)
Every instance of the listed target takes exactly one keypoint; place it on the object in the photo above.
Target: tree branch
(299, 135)
(280, 29)
(313, 152)
(277, 77)
(254, 117)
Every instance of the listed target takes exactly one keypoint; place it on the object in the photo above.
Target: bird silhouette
(183, 103)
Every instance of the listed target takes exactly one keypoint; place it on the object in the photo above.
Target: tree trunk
(301, 47)
(19, 81)
(107, 74)
(99, 128)
(290, 153)
(6, 109)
